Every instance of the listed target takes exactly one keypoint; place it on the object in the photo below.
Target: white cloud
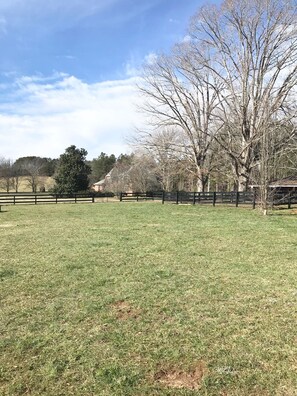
(134, 65)
(47, 114)
(131, 69)
(151, 58)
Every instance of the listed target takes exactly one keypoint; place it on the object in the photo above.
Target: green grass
(131, 299)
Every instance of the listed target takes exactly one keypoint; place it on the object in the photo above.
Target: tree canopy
(72, 173)
(102, 165)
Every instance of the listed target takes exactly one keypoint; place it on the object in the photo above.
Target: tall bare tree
(253, 48)
(179, 95)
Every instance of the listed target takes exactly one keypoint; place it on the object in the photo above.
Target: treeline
(30, 168)
(71, 165)
(72, 172)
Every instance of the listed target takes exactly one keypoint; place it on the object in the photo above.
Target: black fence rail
(183, 197)
(44, 198)
(284, 198)
(213, 198)
(139, 196)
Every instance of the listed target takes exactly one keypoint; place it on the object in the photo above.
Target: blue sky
(68, 70)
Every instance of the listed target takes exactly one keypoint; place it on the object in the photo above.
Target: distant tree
(102, 165)
(49, 166)
(32, 170)
(120, 176)
(46, 165)
(6, 174)
(142, 174)
(125, 160)
(72, 174)
(15, 180)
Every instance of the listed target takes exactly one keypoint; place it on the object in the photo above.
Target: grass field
(147, 299)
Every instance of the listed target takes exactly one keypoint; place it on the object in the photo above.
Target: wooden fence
(182, 197)
(213, 198)
(42, 198)
(177, 197)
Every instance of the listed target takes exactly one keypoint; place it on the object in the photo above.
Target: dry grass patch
(180, 379)
(124, 310)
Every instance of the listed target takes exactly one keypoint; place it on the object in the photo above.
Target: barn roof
(290, 181)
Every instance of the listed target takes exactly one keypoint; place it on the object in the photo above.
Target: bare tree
(142, 174)
(253, 47)
(278, 145)
(179, 95)
(32, 168)
(6, 174)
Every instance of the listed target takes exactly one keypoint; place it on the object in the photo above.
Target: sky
(69, 69)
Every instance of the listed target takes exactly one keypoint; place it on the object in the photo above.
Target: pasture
(24, 185)
(147, 299)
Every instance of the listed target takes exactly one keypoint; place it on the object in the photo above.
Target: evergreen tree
(72, 173)
(102, 165)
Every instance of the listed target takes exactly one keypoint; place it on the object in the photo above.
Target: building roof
(99, 183)
(290, 181)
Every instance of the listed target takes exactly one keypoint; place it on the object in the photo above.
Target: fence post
(214, 198)
(254, 200)
(14, 199)
(289, 201)
(121, 196)
(93, 198)
(35, 199)
(237, 199)
(194, 198)
(163, 197)
(137, 197)
(177, 197)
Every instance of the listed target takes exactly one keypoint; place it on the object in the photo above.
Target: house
(100, 186)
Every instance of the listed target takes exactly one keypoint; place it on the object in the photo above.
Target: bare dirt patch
(124, 310)
(174, 378)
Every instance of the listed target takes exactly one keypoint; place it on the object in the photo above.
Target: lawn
(147, 299)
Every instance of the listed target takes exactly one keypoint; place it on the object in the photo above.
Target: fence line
(177, 197)
(194, 198)
(213, 198)
(34, 199)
